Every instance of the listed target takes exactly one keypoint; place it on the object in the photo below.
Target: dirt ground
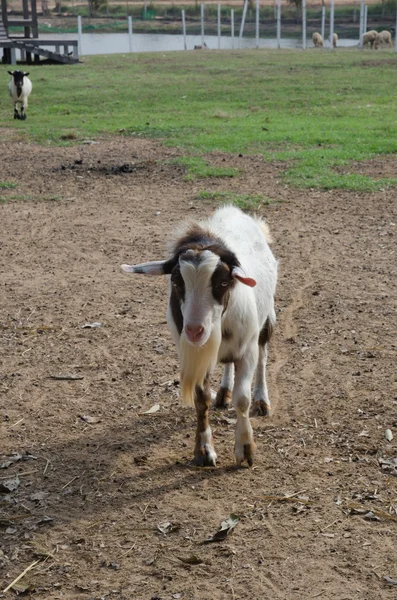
(107, 498)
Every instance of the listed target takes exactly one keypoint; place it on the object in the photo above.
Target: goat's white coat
(26, 90)
(247, 311)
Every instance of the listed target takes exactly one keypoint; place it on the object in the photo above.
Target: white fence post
(360, 43)
(80, 35)
(130, 32)
(331, 26)
(304, 24)
(219, 26)
(278, 23)
(257, 24)
(232, 26)
(323, 22)
(365, 18)
(184, 30)
(243, 20)
(202, 25)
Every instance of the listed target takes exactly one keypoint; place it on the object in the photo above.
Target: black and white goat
(20, 87)
(221, 309)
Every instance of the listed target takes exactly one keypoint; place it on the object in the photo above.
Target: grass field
(312, 110)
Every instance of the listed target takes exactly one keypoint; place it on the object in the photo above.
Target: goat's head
(201, 280)
(18, 79)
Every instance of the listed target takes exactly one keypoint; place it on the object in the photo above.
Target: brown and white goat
(221, 309)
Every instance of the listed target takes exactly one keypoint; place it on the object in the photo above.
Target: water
(118, 43)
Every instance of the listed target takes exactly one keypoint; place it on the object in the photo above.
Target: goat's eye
(224, 283)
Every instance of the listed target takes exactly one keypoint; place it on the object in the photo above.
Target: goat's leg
(23, 113)
(261, 396)
(16, 113)
(204, 453)
(245, 368)
(224, 396)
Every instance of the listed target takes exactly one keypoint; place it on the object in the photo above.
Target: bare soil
(99, 481)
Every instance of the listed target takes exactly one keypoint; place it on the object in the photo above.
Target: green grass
(244, 201)
(313, 111)
(6, 185)
(198, 168)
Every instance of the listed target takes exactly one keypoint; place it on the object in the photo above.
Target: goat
(221, 310)
(20, 87)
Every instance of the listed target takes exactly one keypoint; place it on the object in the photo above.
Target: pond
(118, 43)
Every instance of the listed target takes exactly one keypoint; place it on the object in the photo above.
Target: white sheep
(370, 38)
(384, 37)
(221, 310)
(19, 87)
(335, 39)
(318, 41)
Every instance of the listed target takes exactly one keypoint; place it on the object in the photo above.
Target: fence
(352, 30)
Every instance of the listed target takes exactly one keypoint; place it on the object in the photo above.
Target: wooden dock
(30, 46)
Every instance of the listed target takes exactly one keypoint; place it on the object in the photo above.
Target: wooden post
(232, 26)
(243, 20)
(202, 26)
(130, 32)
(184, 30)
(279, 24)
(219, 26)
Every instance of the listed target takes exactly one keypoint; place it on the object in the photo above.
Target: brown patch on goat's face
(198, 239)
(265, 333)
(221, 282)
(223, 398)
(177, 296)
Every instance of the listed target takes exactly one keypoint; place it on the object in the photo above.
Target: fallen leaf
(88, 419)
(16, 458)
(389, 465)
(168, 527)
(94, 325)
(390, 581)
(226, 528)
(152, 410)
(388, 435)
(23, 588)
(9, 485)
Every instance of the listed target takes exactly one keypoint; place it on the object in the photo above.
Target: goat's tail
(265, 229)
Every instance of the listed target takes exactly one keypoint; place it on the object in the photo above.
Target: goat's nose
(194, 332)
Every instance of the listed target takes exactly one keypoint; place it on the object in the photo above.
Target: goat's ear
(25, 74)
(240, 274)
(10, 73)
(149, 268)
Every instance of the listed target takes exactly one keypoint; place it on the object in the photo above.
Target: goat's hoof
(245, 452)
(223, 398)
(260, 408)
(205, 456)
(23, 117)
(16, 116)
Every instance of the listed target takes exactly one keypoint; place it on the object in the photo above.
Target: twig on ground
(21, 575)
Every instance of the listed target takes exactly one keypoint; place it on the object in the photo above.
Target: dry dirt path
(104, 476)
